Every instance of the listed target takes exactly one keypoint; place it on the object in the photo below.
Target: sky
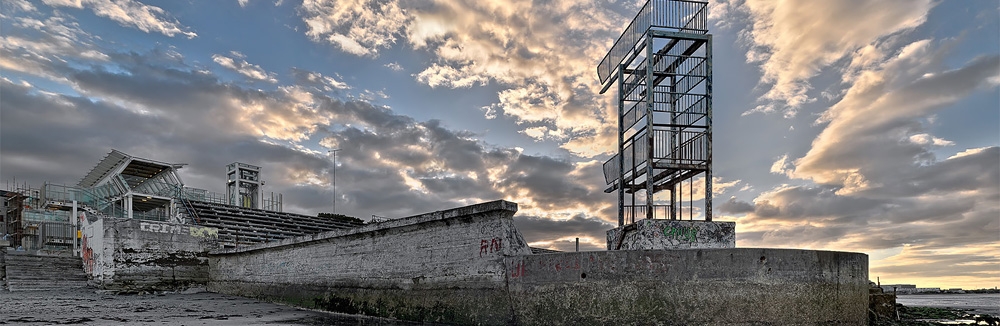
(868, 125)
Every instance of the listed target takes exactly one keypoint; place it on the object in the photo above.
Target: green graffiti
(689, 234)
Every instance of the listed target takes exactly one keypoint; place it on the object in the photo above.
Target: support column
(128, 206)
(708, 131)
(621, 149)
(649, 126)
(76, 227)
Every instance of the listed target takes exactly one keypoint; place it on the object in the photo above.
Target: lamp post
(334, 151)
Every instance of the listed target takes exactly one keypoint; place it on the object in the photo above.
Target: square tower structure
(243, 185)
(662, 66)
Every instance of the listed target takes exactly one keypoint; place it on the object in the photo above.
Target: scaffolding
(662, 66)
(31, 224)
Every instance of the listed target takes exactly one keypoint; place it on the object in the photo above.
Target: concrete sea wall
(471, 266)
(735, 286)
(139, 255)
(441, 266)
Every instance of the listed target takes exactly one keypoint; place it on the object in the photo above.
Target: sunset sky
(869, 126)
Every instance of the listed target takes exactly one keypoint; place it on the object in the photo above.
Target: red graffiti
(490, 246)
(518, 270)
(88, 256)
(567, 265)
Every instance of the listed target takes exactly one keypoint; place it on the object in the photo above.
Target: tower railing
(671, 15)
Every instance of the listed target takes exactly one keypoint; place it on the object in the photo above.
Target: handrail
(684, 16)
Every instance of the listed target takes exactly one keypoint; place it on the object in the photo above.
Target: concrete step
(44, 287)
(30, 273)
(49, 277)
(43, 265)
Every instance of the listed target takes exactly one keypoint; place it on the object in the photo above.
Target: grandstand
(125, 186)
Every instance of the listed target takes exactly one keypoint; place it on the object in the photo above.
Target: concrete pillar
(75, 222)
(128, 206)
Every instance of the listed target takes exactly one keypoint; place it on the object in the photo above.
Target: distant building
(907, 289)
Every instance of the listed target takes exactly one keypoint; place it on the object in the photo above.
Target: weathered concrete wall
(130, 254)
(92, 248)
(441, 266)
(690, 287)
(471, 266)
(672, 234)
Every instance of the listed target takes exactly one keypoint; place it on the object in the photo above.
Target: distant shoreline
(972, 303)
(946, 293)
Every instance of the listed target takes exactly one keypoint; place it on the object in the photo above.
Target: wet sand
(92, 307)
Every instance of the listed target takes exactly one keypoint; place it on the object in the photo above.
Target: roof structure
(135, 170)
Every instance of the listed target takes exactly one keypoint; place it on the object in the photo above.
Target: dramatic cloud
(358, 27)
(156, 104)
(146, 18)
(793, 41)
(901, 161)
(546, 66)
(34, 41)
(881, 115)
(879, 185)
(872, 179)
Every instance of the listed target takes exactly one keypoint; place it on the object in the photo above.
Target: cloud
(237, 63)
(44, 46)
(130, 13)
(782, 165)
(871, 179)
(359, 27)
(318, 81)
(793, 41)
(544, 66)
(535, 228)
(880, 114)
(735, 206)
(447, 76)
(394, 66)
(18, 5)
(949, 268)
(561, 234)
(389, 164)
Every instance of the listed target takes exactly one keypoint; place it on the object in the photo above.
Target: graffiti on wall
(518, 269)
(88, 256)
(490, 246)
(681, 233)
(91, 244)
(194, 231)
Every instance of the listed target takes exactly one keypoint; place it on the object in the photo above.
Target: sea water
(981, 303)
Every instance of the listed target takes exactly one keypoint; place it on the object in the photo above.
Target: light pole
(334, 151)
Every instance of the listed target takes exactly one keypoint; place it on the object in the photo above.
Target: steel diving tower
(662, 65)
